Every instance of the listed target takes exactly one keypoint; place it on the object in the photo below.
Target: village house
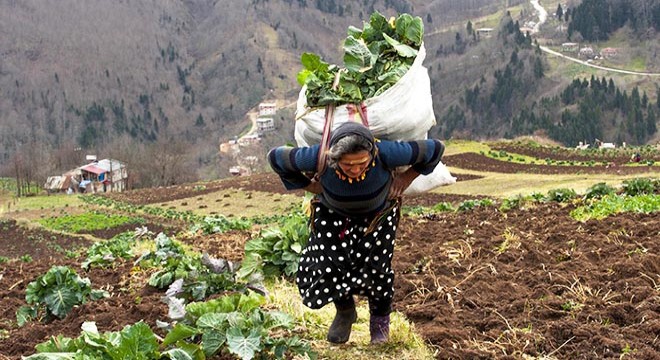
(267, 108)
(485, 32)
(265, 124)
(107, 175)
(587, 52)
(570, 47)
(609, 52)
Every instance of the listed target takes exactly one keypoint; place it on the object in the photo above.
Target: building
(266, 109)
(265, 124)
(485, 32)
(587, 52)
(107, 175)
(609, 52)
(570, 47)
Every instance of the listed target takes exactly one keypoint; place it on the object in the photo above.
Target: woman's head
(351, 149)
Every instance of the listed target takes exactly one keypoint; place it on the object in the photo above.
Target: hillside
(161, 84)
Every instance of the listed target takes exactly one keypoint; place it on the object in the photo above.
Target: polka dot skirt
(347, 256)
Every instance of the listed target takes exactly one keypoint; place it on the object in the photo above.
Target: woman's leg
(340, 329)
(379, 320)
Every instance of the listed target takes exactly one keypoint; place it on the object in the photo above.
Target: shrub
(598, 191)
(638, 186)
(561, 195)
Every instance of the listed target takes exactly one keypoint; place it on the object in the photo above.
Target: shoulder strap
(327, 129)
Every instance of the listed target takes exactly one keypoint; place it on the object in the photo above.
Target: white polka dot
(323, 222)
(319, 301)
(378, 243)
(358, 255)
(329, 234)
(328, 269)
(317, 292)
(330, 299)
(389, 218)
(394, 227)
(318, 209)
(359, 281)
(334, 279)
(309, 304)
(322, 247)
(339, 222)
(322, 258)
(384, 251)
(338, 287)
(322, 281)
(353, 279)
(375, 233)
(387, 236)
(376, 258)
(379, 288)
(367, 244)
(326, 290)
(343, 244)
(330, 211)
(318, 235)
(333, 247)
(341, 258)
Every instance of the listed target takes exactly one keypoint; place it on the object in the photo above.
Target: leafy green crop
(277, 249)
(91, 221)
(375, 58)
(218, 223)
(105, 252)
(135, 341)
(612, 204)
(237, 323)
(56, 293)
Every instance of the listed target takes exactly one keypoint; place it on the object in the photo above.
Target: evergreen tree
(560, 12)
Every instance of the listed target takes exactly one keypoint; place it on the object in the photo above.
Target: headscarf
(351, 128)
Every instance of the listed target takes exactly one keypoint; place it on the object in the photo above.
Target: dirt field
(480, 284)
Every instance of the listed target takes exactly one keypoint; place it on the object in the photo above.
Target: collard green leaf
(179, 332)
(244, 346)
(60, 301)
(402, 49)
(25, 314)
(212, 341)
(137, 342)
(357, 56)
(410, 29)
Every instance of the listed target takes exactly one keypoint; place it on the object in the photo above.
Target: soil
(479, 284)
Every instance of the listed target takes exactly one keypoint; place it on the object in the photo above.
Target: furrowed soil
(481, 284)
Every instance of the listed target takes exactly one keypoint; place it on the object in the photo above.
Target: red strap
(327, 129)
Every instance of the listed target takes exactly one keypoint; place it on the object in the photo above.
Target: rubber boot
(340, 329)
(379, 328)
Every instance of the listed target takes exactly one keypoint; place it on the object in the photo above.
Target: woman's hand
(401, 182)
(314, 187)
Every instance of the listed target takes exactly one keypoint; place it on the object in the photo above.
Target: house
(267, 108)
(570, 47)
(265, 125)
(587, 52)
(485, 32)
(107, 175)
(609, 52)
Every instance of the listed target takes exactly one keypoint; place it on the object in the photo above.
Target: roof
(58, 182)
(110, 164)
(93, 169)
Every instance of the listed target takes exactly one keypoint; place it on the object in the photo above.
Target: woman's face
(353, 165)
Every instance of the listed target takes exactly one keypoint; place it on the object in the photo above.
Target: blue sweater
(359, 197)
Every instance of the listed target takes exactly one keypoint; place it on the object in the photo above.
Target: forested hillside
(161, 84)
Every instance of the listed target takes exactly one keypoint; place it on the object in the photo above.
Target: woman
(354, 220)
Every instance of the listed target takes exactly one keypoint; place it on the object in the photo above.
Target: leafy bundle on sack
(375, 58)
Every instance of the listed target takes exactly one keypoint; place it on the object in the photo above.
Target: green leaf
(401, 49)
(137, 342)
(179, 332)
(410, 29)
(60, 301)
(25, 314)
(52, 356)
(212, 341)
(244, 346)
(357, 56)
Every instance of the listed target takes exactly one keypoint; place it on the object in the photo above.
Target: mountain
(161, 83)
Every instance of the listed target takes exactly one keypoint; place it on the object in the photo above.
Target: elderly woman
(354, 220)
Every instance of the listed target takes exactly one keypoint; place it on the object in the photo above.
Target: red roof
(93, 169)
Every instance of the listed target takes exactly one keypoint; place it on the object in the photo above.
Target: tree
(560, 12)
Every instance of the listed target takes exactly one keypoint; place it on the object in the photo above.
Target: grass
(404, 344)
(498, 185)
(10, 204)
(236, 203)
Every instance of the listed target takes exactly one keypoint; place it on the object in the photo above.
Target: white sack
(402, 112)
(423, 183)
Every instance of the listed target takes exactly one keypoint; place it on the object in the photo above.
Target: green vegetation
(54, 294)
(375, 58)
(90, 221)
(276, 251)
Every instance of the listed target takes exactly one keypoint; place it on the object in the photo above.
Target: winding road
(543, 16)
